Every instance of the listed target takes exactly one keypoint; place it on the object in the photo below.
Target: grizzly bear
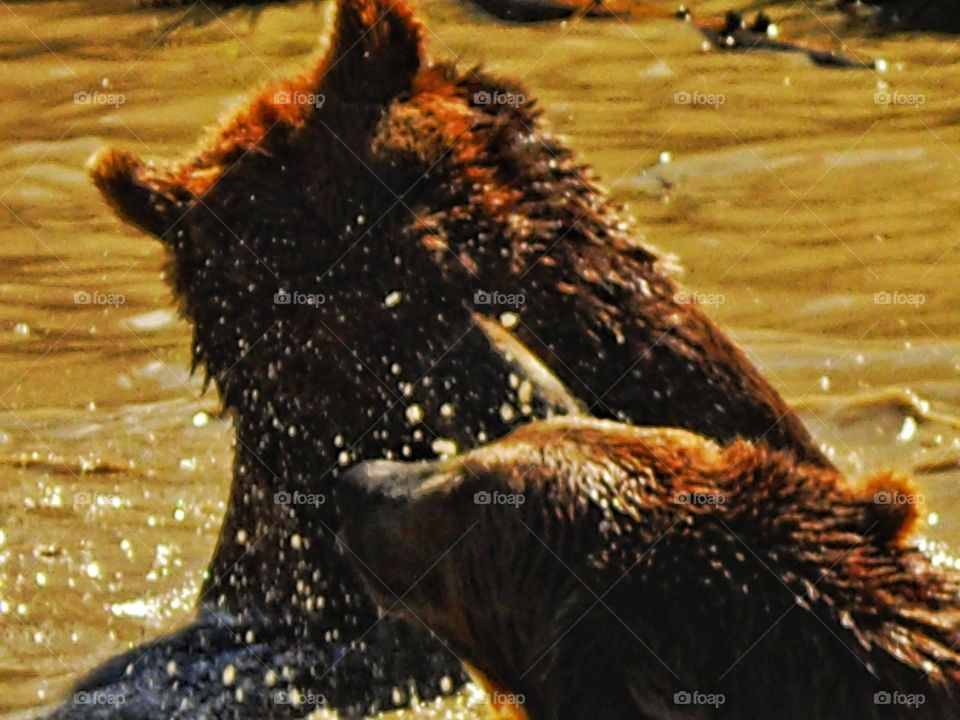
(589, 569)
(332, 244)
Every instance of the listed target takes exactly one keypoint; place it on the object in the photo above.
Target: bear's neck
(302, 418)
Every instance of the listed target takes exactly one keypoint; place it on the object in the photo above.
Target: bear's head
(510, 553)
(376, 177)
(594, 569)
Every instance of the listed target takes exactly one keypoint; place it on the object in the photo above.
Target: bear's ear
(892, 503)
(375, 51)
(137, 192)
(372, 55)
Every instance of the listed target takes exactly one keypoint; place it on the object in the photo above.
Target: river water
(813, 212)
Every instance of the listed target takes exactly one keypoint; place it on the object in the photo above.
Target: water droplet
(444, 446)
(908, 430)
(414, 414)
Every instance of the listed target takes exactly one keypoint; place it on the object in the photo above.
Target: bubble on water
(92, 570)
(343, 458)
(188, 464)
(507, 412)
(880, 65)
(200, 419)
(933, 519)
(296, 542)
(447, 410)
(21, 329)
(665, 157)
(270, 678)
(241, 536)
(172, 668)
(393, 299)
(40, 578)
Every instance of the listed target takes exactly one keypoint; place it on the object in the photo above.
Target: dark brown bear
(589, 569)
(331, 244)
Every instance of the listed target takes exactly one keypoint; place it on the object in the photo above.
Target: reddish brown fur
(618, 582)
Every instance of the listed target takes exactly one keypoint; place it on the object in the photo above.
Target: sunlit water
(794, 197)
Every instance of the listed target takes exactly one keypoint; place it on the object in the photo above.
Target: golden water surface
(813, 211)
